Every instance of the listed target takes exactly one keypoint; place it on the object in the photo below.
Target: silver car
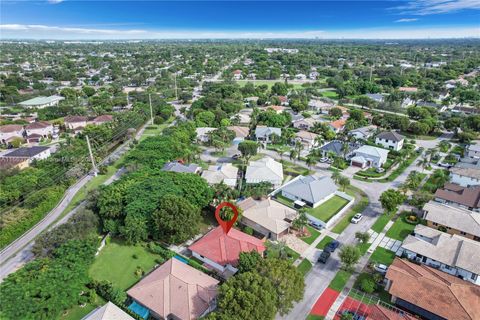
(356, 218)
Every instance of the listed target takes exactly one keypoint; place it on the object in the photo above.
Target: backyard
(118, 263)
(329, 208)
(313, 235)
(383, 256)
(401, 228)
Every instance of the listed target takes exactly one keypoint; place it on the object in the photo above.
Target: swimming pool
(139, 309)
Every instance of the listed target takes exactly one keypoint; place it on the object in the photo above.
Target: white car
(381, 268)
(356, 218)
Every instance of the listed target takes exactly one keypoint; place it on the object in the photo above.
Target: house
(277, 109)
(390, 140)
(240, 133)
(305, 123)
(43, 129)
(453, 254)
(75, 122)
(42, 102)
(243, 117)
(203, 133)
(363, 133)
(30, 153)
(268, 217)
(337, 125)
(473, 151)
(226, 173)
(465, 176)
(456, 195)
(311, 190)
(221, 250)
(108, 311)
(283, 100)
(175, 290)
(430, 293)
(265, 170)
(332, 147)
(408, 89)
(368, 156)
(307, 139)
(106, 118)
(10, 131)
(13, 163)
(264, 134)
(377, 97)
(452, 220)
(176, 166)
(237, 74)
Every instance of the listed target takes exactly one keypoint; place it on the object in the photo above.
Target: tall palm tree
(310, 161)
(424, 163)
(293, 155)
(336, 176)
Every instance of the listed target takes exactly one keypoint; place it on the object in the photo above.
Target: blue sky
(69, 19)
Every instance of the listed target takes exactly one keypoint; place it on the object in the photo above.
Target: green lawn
(116, 264)
(314, 317)
(340, 280)
(305, 266)
(357, 208)
(400, 228)
(330, 94)
(283, 200)
(383, 256)
(324, 242)
(294, 255)
(381, 222)
(329, 208)
(313, 235)
(78, 312)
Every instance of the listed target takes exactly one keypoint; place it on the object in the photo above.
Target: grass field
(382, 222)
(324, 242)
(305, 266)
(116, 263)
(329, 208)
(359, 207)
(340, 280)
(330, 94)
(383, 256)
(269, 83)
(400, 228)
(313, 235)
(78, 312)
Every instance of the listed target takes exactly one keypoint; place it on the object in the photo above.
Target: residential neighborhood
(220, 176)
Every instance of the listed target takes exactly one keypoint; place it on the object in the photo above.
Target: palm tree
(293, 155)
(424, 163)
(319, 140)
(404, 187)
(310, 161)
(344, 182)
(336, 176)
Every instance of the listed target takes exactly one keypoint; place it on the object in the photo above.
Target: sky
(121, 19)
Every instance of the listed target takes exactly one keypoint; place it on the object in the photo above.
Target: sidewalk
(309, 253)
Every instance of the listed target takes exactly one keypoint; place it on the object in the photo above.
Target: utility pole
(151, 110)
(175, 77)
(94, 166)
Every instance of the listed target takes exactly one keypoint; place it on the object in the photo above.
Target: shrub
(106, 290)
(248, 230)
(368, 285)
(134, 256)
(161, 251)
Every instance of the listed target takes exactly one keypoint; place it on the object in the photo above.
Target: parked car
(445, 165)
(380, 170)
(323, 160)
(332, 246)
(356, 218)
(236, 156)
(324, 257)
(380, 268)
(315, 225)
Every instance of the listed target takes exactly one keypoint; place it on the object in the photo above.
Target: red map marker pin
(226, 225)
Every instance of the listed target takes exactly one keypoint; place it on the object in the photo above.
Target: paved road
(18, 252)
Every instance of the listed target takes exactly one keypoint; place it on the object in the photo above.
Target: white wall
(464, 181)
(390, 144)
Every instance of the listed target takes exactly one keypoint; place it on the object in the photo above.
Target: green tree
(363, 237)
(349, 256)
(344, 182)
(175, 219)
(335, 113)
(248, 149)
(391, 199)
(248, 261)
(301, 221)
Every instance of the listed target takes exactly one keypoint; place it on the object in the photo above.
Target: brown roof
(10, 128)
(73, 119)
(338, 124)
(452, 192)
(434, 290)
(103, 118)
(176, 289)
(377, 312)
(38, 125)
(7, 163)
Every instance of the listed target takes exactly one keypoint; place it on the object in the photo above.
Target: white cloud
(21, 31)
(54, 1)
(406, 20)
(428, 7)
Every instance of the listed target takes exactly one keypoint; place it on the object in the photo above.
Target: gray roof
(375, 96)
(25, 152)
(178, 167)
(391, 135)
(466, 172)
(452, 250)
(453, 217)
(262, 131)
(41, 101)
(108, 312)
(333, 146)
(366, 131)
(311, 188)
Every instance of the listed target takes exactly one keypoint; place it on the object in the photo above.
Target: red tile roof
(338, 124)
(103, 118)
(38, 125)
(434, 290)
(73, 119)
(176, 289)
(225, 248)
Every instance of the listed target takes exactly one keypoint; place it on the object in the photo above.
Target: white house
(305, 123)
(226, 173)
(390, 140)
(10, 131)
(368, 156)
(203, 133)
(473, 151)
(465, 176)
(30, 154)
(363, 133)
(264, 134)
(311, 190)
(453, 254)
(307, 139)
(75, 122)
(265, 170)
(41, 128)
(42, 102)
